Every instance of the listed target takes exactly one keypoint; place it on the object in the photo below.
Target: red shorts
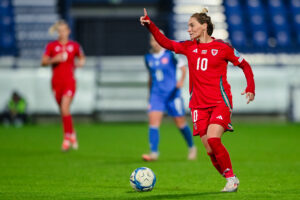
(202, 117)
(61, 89)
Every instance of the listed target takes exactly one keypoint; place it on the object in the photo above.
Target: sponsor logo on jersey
(220, 117)
(204, 52)
(164, 60)
(195, 126)
(195, 51)
(57, 48)
(214, 52)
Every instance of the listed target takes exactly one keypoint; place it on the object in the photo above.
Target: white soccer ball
(142, 179)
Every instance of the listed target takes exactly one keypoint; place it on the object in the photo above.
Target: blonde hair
(55, 26)
(203, 18)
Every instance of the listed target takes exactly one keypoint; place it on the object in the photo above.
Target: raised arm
(159, 37)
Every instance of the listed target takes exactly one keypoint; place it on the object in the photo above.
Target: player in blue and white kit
(165, 95)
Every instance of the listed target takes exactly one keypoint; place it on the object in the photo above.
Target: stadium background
(112, 86)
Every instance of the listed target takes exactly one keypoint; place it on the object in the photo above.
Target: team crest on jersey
(164, 60)
(204, 52)
(214, 52)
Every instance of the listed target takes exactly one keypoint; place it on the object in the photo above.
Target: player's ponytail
(203, 18)
(204, 10)
(55, 26)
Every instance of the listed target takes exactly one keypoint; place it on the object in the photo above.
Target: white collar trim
(159, 54)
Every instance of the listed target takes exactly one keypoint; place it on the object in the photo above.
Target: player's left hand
(249, 96)
(179, 84)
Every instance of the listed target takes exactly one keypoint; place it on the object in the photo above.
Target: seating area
(264, 26)
(254, 26)
(24, 26)
(32, 20)
(7, 34)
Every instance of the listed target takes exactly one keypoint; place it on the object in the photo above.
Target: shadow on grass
(165, 196)
(139, 161)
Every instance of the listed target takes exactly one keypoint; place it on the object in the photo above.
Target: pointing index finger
(145, 12)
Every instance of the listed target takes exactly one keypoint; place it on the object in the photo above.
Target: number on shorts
(202, 63)
(195, 115)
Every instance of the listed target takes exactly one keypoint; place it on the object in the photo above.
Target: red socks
(68, 126)
(221, 156)
(215, 162)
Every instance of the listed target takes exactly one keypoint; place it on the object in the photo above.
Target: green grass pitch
(266, 158)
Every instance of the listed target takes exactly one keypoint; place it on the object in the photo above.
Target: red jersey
(63, 71)
(208, 71)
(207, 68)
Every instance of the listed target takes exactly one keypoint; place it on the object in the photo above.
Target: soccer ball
(142, 179)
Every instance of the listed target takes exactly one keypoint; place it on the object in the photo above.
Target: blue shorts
(174, 105)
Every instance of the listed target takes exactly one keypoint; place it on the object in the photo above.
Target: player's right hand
(144, 19)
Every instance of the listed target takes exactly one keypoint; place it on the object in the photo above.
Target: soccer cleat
(150, 157)
(231, 185)
(66, 145)
(192, 153)
(74, 142)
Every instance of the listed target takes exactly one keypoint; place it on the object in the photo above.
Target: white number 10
(203, 64)
(195, 115)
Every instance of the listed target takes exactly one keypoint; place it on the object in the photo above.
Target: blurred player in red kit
(61, 54)
(210, 93)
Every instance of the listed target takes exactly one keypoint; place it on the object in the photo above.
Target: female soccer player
(60, 54)
(164, 96)
(211, 100)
